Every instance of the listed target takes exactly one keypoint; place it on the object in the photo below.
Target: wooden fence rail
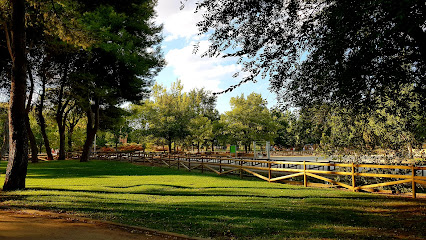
(274, 171)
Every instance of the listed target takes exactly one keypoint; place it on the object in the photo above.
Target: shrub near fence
(275, 171)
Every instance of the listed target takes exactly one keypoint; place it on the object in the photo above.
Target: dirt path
(39, 225)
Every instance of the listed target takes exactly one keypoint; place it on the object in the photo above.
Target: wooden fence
(275, 171)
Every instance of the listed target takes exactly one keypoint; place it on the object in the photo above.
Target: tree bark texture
(16, 171)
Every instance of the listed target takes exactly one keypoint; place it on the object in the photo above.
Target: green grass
(205, 205)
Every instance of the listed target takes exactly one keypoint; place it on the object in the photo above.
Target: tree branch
(9, 46)
(30, 97)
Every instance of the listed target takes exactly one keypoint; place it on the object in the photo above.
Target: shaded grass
(206, 205)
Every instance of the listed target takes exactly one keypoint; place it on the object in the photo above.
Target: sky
(214, 74)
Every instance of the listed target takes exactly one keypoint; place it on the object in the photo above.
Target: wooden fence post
(220, 165)
(189, 162)
(241, 169)
(152, 159)
(353, 177)
(413, 174)
(178, 162)
(269, 172)
(202, 164)
(305, 182)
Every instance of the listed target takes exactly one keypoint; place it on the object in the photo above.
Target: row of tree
(81, 57)
(190, 119)
(362, 61)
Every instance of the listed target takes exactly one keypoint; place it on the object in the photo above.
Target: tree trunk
(246, 148)
(90, 137)
(41, 121)
(5, 144)
(72, 122)
(16, 171)
(410, 150)
(33, 143)
(61, 154)
(92, 128)
(169, 143)
(70, 133)
(61, 115)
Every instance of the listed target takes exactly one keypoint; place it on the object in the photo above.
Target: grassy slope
(212, 206)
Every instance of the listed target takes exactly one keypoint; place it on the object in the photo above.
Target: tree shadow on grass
(158, 191)
(334, 218)
(219, 212)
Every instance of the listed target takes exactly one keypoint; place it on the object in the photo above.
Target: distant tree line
(189, 119)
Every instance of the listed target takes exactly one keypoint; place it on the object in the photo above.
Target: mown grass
(205, 205)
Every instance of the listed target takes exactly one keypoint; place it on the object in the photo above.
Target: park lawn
(206, 205)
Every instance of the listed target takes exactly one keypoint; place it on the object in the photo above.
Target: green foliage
(314, 52)
(126, 30)
(174, 115)
(285, 136)
(396, 125)
(209, 206)
(168, 114)
(114, 121)
(200, 129)
(249, 120)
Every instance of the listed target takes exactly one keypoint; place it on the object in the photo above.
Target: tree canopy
(250, 120)
(96, 54)
(348, 52)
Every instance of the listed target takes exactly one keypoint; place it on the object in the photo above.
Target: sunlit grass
(206, 205)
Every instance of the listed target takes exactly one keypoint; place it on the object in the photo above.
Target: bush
(107, 149)
(130, 148)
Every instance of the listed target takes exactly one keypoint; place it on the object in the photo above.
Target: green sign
(233, 149)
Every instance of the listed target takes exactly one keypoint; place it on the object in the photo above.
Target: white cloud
(194, 71)
(197, 72)
(177, 23)
(214, 74)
